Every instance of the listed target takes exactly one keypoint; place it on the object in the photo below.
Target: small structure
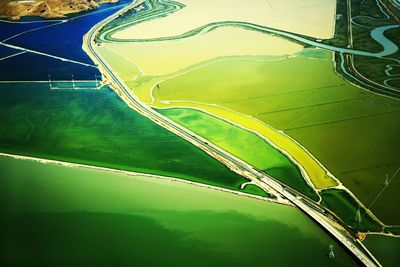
(386, 184)
(50, 85)
(357, 220)
(73, 82)
(331, 252)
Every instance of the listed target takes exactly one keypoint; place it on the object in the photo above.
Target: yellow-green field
(239, 90)
(350, 131)
(332, 130)
(162, 57)
(145, 87)
(244, 144)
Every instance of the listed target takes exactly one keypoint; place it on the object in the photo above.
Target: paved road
(312, 209)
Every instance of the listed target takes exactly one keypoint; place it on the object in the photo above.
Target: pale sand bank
(314, 18)
(164, 57)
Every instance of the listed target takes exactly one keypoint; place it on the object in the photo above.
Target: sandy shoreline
(132, 175)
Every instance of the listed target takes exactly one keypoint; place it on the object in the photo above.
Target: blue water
(5, 51)
(60, 39)
(9, 29)
(32, 67)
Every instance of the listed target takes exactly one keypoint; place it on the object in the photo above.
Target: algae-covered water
(65, 216)
(96, 127)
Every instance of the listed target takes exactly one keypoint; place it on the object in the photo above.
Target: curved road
(312, 209)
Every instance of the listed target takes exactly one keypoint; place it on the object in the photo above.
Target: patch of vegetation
(392, 229)
(340, 38)
(349, 211)
(255, 190)
(243, 144)
(368, 72)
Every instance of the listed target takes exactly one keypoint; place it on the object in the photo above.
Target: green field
(96, 127)
(350, 131)
(243, 144)
(64, 216)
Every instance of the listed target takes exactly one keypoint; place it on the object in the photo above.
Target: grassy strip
(347, 209)
(392, 229)
(248, 75)
(255, 190)
(243, 144)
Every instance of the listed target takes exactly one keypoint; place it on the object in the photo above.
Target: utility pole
(73, 82)
(331, 252)
(48, 75)
(385, 185)
(357, 220)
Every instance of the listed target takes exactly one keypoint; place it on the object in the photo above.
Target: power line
(385, 185)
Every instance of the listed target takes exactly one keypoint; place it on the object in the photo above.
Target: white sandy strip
(242, 186)
(314, 18)
(134, 174)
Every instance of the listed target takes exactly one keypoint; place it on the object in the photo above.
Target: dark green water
(385, 248)
(346, 208)
(63, 216)
(96, 127)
